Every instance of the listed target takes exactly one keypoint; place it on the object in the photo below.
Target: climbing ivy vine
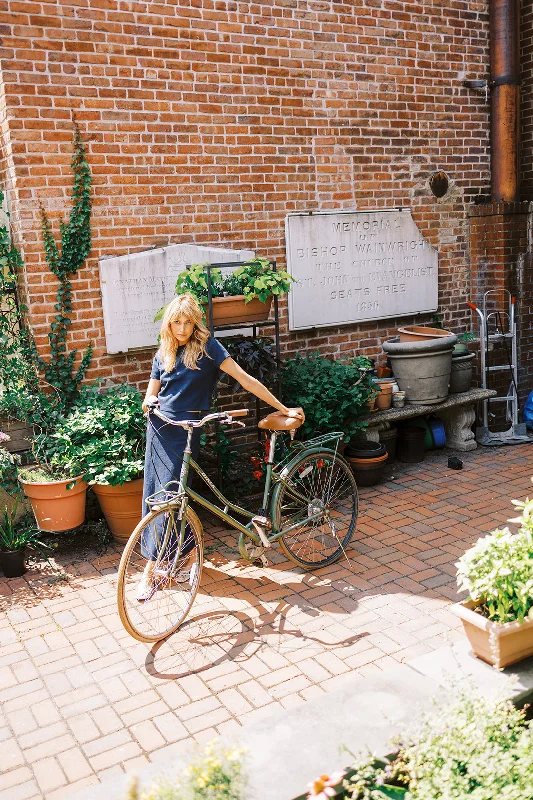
(64, 261)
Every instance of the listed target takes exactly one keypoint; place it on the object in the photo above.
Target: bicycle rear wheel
(175, 580)
(325, 484)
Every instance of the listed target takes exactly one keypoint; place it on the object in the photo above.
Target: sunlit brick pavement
(81, 700)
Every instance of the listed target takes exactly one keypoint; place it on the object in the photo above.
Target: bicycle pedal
(260, 523)
(262, 561)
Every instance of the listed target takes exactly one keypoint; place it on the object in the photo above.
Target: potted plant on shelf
(245, 295)
(15, 536)
(498, 574)
(103, 438)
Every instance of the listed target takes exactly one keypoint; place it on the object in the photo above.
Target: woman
(184, 374)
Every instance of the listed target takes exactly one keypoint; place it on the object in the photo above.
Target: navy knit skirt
(162, 465)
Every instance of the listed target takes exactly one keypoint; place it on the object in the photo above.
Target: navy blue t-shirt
(185, 389)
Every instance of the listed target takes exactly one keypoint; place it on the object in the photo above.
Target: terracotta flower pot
(417, 333)
(384, 396)
(57, 508)
(121, 506)
(499, 644)
(233, 310)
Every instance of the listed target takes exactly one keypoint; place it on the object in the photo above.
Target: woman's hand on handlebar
(150, 402)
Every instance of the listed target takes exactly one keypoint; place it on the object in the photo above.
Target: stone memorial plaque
(134, 287)
(355, 266)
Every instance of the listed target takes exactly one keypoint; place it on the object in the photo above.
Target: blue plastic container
(438, 433)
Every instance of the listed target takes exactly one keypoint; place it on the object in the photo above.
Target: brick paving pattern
(82, 701)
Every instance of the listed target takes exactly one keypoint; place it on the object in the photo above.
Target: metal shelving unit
(255, 327)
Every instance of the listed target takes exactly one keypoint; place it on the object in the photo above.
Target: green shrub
(103, 437)
(333, 394)
(477, 749)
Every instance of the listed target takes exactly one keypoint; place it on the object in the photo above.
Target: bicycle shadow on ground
(218, 635)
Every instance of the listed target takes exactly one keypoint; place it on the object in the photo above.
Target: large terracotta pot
(121, 506)
(496, 643)
(57, 508)
(418, 333)
(233, 310)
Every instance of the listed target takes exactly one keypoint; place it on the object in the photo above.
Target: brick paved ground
(81, 700)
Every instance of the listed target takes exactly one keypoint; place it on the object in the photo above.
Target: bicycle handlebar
(227, 416)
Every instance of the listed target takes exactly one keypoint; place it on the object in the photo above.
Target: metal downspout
(505, 99)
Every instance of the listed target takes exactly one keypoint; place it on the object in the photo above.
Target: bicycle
(310, 507)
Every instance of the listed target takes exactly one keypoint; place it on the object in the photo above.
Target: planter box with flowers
(498, 573)
(245, 295)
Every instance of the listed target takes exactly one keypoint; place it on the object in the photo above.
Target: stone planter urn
(461, 374)
(422, 369)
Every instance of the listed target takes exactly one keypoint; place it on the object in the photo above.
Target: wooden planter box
(21, 435)
(499, 644)
(233, 310)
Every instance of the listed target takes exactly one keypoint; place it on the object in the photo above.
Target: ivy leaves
(64, 262)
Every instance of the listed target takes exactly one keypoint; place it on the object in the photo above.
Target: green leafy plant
(333, 394)
(476, 748)
(498, 570)
(260, 280)
(467, 336)
(102, 438)
(215, 773)
(59, 370)
(16, 535)
(255, 356)
(17, 364)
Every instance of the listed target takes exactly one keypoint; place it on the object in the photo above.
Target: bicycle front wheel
(158, 612)
(320, 486)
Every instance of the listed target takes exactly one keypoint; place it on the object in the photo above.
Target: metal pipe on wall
(505, 99)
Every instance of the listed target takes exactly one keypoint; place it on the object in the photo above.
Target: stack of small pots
(367, 460)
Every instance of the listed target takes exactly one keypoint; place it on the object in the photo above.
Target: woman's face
(182, 329)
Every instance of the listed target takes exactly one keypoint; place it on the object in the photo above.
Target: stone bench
(457, 412)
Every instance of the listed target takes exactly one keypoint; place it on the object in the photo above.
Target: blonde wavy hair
(185, 305)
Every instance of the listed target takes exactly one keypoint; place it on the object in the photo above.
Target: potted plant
(15, 536)
(498, 574)
(103, 439)
(56, 496)
(245, 295)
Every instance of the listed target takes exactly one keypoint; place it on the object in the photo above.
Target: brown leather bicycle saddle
(279, 422)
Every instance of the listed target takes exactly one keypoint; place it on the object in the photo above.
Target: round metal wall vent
(439, 184)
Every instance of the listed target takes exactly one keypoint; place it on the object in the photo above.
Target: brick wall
(207, 121)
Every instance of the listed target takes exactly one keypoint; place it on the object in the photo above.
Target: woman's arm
(256, 387)
(151, 392)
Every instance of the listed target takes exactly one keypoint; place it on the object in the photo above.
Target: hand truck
(498, 325)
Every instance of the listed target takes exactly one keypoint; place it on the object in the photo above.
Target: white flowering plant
(498, 570)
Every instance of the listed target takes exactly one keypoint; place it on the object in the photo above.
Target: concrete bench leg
(458, 423)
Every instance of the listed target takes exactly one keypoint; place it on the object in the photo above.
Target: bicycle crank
(252, 552)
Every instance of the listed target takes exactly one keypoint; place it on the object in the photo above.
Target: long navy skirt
(162, 465)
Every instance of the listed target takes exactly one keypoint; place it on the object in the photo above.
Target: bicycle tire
(326, 482)
(139, 617)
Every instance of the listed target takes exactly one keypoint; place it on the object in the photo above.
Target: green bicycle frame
(185, 492)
